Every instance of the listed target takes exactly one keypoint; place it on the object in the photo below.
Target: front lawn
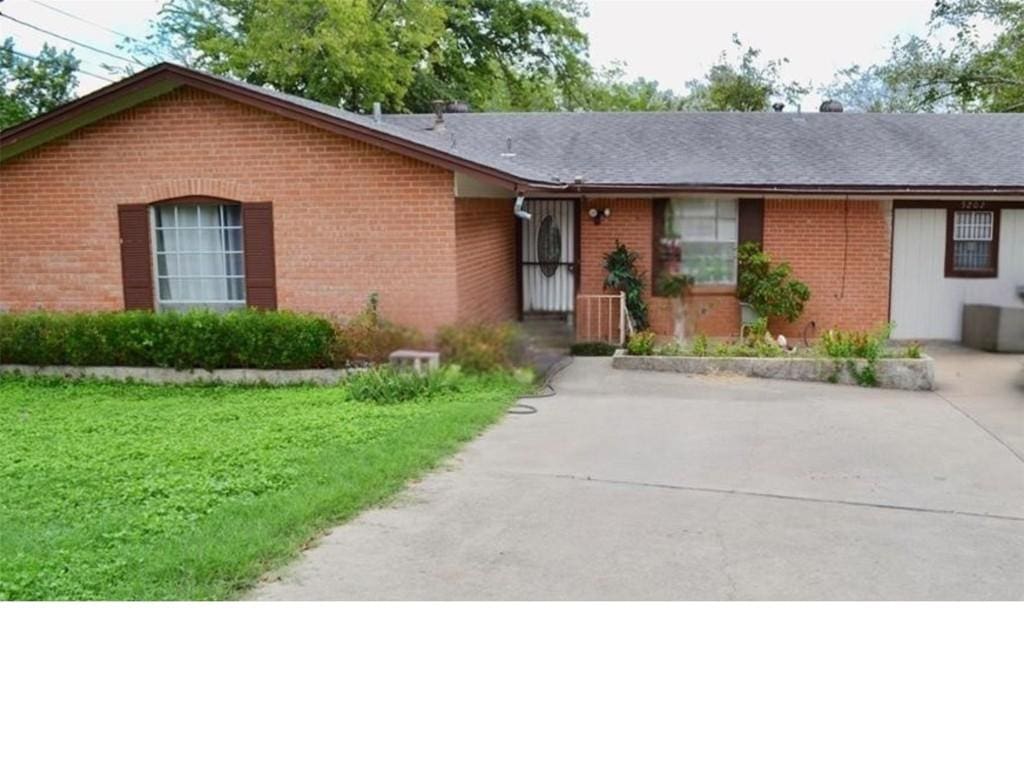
(132, 491)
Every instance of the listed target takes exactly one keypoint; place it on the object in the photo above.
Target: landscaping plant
(850, 347)
(481, 348)
(641, 343)
(369, 338)
(623, 275)
(768, 287)
(199, 338)
(592, 349)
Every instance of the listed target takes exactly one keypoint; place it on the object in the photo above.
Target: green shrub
(868, 345)
(195, 339)
(386, 385)
(623, 275)
(700, 346)
(852, 346)
(482, 348)
(641, 343)
(671, 349)
(913, 350)
(768, 288)
(592, 349)
(368, 338)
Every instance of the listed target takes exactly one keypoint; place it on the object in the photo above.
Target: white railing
(602, 317)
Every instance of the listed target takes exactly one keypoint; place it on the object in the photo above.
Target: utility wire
(79, 69)
(69, 40)
(87, 21)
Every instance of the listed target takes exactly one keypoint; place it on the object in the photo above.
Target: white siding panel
(925, 303)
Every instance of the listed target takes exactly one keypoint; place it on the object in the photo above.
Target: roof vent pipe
(377, 116)
(778, 106)
(439, 107)
(831, 105)
(518, 210)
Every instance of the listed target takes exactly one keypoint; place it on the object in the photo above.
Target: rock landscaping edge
(892, 373)
(171, 376)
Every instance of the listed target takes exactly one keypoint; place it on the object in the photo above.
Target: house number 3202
(974, 205)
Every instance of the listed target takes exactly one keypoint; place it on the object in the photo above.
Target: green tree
(31, 86)
(743, 84)
(495, 54)
(970, 59)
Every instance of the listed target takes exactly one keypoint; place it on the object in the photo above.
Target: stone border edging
(893, 373)
(153, 375)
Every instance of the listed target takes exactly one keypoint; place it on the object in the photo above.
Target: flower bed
(890, 373)
(839, 357)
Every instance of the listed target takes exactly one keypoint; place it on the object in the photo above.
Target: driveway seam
(981, 426)
(766, 495)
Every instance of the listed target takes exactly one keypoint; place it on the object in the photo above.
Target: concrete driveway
(641, 485)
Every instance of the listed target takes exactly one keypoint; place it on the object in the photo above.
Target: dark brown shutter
(659, 205)
(751, 223)
(136, 260)
(258, 234)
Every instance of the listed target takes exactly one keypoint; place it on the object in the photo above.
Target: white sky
(671, 41)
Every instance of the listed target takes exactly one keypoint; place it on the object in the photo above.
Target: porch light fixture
(599, 214)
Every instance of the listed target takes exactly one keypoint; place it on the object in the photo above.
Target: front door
(549, 256)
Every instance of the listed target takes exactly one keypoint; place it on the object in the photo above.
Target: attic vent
(831, 105)
(778, 106)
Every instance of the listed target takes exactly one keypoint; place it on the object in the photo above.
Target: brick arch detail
(168, 189)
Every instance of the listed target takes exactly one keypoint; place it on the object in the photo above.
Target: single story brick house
(175, 188)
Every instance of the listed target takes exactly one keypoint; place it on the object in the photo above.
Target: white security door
(549, 252)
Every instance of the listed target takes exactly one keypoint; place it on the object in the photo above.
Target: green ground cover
(132, 491)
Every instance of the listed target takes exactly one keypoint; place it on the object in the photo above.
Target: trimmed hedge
(194, 339)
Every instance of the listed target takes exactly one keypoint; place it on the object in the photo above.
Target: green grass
(130, 491)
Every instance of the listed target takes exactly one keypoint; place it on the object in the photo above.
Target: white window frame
(161, 305)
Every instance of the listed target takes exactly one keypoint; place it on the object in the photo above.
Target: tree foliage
(29, 87)
(508, 55)
(743, 84)
(970, 59)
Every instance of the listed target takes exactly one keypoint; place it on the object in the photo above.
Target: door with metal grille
(549, 256)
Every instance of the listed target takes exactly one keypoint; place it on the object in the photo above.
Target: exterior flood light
(599, 214)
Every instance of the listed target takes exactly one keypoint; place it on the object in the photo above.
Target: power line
(86, 21)
(69, 40)
(79, 69)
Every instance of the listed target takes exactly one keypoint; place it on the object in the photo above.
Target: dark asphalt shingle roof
(727, 148)
(759, 149)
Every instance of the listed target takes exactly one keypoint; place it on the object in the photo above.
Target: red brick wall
(808, 233)
(814, 236)
(485, 246)
(348, 218)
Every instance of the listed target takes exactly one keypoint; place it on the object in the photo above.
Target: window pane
(187, 216)
(232, 215)
(188, 240)
(973, 225)
(710, 262)
(233, 239)
(209, 215)
(972, 254)
(166, 240)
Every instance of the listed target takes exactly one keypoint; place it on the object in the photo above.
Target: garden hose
(546, 389)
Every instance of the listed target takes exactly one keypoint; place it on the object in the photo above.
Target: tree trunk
(679, 319)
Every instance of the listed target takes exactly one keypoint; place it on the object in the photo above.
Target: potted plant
(766, 290)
